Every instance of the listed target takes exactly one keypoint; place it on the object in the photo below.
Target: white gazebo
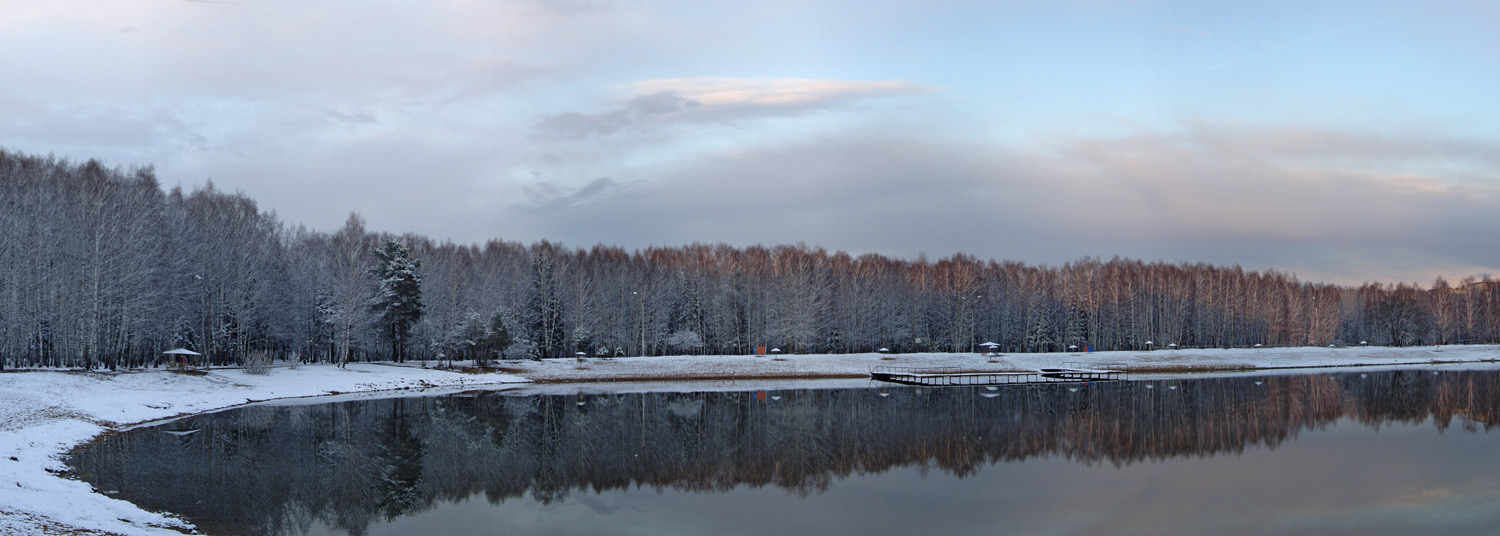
(183, 358)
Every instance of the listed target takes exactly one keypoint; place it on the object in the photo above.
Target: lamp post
(972, 315)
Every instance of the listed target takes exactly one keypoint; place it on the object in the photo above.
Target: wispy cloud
(778, 92)
(1270, 48)
(551, 196)
(707, 100)
(353, 117)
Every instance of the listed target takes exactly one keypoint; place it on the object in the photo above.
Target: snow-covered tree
(398, 300)
(100, 268)
(544, 306)
(499, 338)
(685, 341)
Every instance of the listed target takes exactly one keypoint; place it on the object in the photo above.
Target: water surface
(1391, 452)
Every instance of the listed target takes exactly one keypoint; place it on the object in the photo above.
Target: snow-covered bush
(526, 348)
(685, 341)
(258, 363)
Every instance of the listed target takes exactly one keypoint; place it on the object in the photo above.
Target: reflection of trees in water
(276, 469)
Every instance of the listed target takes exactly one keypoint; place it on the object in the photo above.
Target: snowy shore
(859, 365)
(44, 414)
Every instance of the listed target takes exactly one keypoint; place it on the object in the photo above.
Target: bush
(258, 363)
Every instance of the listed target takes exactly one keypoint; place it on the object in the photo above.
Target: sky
(1341, 141)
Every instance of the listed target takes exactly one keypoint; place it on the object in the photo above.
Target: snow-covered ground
(44, 414)
(858, 365)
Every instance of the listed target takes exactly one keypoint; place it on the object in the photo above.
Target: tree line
(102, 268)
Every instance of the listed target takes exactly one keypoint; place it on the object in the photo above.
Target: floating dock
(939, 376)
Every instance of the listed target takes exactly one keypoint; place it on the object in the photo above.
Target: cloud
(351, 117)
(1227, 194)
(569, 7)
(1269, 48)
(474, 79)
(656, 103)
(479, 117)
(1313, 143)
(638, 110)
(551, 196)
(778, 92)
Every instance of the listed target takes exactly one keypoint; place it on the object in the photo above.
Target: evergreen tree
(499, 336)
(398, 303)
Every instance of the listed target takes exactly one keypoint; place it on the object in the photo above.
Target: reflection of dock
(943, 376)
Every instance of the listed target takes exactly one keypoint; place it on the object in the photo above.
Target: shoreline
(45, 414)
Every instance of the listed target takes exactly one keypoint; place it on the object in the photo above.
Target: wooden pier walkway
(946, 376)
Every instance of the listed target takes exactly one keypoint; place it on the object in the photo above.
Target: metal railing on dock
(947, 376)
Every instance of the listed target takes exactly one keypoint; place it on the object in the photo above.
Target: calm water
(1395, 452)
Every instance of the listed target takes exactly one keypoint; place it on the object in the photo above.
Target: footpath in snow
(44, 414)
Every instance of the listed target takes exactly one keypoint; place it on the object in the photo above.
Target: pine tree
(499, 337)
(398, 303)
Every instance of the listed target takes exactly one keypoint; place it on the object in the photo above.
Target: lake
(1377, 452)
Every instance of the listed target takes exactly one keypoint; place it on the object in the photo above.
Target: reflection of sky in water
(1345, 479)
(1393, 452)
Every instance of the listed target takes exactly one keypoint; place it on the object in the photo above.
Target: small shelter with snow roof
(184, 358)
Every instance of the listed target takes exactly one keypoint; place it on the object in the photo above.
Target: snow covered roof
(181, 351)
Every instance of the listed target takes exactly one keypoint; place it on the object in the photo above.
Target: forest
(102, 268)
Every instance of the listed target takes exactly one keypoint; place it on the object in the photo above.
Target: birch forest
(102, 268)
